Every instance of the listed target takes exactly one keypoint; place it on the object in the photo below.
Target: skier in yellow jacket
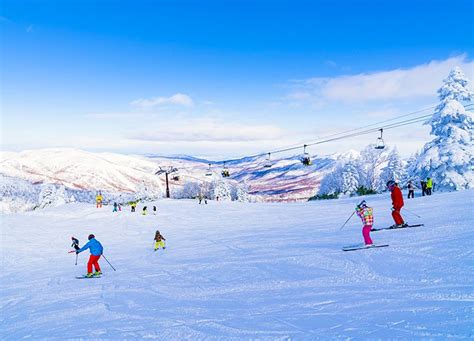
(98, 200)
(159, 241)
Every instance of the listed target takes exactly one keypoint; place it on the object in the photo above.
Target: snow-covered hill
(79, 170)
(232, 271)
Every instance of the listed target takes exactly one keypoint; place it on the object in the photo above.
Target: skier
(144, 210)
(132, 206)
(98, 200)
(159, 240)
(154, 210)
(75, 243)
(411, 190)
(397, 203)
(96, 251)
(429, 185)
(366, 215)
(423, 187)
(115, 207)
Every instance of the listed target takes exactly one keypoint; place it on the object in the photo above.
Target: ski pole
(109, 263)
(76, 258)
(416, 215)
(347, 221)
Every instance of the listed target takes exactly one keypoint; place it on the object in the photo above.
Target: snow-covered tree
(332, 182)
(394, 170)
(46, 196)
(240, 193)
(221, 189)
(448, 159)
(190, 190)
(350, 178)
(369, 165)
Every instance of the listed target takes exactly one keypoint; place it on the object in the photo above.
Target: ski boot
(97, 273)
(89, 275)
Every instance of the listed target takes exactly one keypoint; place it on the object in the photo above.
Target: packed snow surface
(241, 271)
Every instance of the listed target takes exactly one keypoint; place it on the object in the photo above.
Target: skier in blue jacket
(96, 250)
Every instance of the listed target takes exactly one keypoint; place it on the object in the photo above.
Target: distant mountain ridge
(286, 179)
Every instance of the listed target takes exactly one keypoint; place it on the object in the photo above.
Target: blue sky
(222, 78)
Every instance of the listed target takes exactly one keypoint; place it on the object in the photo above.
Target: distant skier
(115, 207)
(133, 205)
(366, 215)
(96, 251)
(159, 240)
(411, 190)
(429, 185)
(423, 187)
(144, 210)
(154, 210)
(397, 203)
(120, 207)
(98, 200)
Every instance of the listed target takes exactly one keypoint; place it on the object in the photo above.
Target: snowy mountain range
(81, 172)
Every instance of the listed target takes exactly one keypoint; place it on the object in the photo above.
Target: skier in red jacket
(397, 203)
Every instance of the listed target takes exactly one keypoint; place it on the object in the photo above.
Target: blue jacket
(95, 247)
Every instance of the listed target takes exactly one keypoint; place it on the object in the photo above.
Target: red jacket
(397, 198)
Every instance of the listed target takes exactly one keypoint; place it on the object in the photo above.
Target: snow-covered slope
(266, 271)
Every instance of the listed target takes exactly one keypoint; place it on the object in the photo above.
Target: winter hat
(91, 236)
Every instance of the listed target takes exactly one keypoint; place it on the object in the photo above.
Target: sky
(222, 79)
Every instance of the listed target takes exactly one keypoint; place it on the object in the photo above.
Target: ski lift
(380, 144)
(225, 172)
(209, 172)
(305, 158)
(268, 162)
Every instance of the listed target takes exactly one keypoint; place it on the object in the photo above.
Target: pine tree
(350, 178)
(448, 159)
(394, 170)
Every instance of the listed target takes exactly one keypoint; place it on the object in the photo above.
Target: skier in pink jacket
(366, 214)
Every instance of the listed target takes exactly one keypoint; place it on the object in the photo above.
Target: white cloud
(206, 129)
(421, 81)
(176, 99)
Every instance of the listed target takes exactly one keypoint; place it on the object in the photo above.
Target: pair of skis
(363, 246)
(85, 277)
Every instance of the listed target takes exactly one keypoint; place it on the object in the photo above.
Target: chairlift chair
(268, 162)
(379, 144)
(305, 158)
(225, 172)
(209, 172)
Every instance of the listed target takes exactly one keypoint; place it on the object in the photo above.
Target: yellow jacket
(429, 183)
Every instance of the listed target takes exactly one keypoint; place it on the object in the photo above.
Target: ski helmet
(390, 183)
(91, 236)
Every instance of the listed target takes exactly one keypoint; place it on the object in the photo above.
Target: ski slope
(266, 271)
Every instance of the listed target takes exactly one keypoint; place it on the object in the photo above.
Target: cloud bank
(412, 83)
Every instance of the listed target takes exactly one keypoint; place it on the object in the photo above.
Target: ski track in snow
(241, 271)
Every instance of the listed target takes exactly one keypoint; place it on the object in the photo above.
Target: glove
(77, 252)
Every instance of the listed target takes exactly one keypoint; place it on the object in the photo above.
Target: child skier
(96, 251)
(366, 214)
(115, 207)
(159, 241)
